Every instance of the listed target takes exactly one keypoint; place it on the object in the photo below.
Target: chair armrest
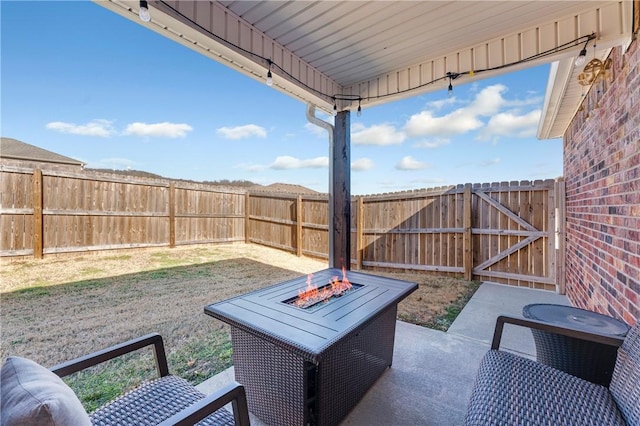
(115, 351)
(233, 393)
(545, 326)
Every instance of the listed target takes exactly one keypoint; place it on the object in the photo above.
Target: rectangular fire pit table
(311, 366)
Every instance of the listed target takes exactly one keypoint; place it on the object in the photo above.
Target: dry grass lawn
(62, 307)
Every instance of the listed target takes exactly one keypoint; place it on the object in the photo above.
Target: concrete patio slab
(433, 372)
(428, 384)
(478, 318)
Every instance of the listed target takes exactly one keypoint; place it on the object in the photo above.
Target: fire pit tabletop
(311, 331)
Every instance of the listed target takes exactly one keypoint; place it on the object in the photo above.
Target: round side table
(588, 360)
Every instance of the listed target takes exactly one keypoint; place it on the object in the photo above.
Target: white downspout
(311, 116)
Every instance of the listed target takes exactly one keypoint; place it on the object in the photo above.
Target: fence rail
(506, 232)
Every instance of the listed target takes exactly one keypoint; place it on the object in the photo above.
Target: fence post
(560, 234)
(172, 215)
(360, 232)
(38, 223)
(247, 218)
(467, 241)
(299, 226)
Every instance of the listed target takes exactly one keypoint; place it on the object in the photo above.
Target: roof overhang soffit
(212, 30)
(215, 31)
(564, 94)
(609, 21)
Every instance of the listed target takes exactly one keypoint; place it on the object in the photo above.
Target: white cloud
(242, 132)
(455, 123)
(286, 162)
(316, 131)
(512, 125)
(491, 162)
(100, 128)
(441, 103)
(532, 100)
(410, 163)
(362, 164)
(486, 103)
(380, 134)
(158, 130)
(432, 143)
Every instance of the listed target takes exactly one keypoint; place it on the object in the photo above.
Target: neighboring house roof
(18, 150)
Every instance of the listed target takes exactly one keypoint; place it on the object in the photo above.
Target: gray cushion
(625, 384)
(33, 395)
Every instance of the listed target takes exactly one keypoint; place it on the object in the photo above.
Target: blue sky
(84, 82)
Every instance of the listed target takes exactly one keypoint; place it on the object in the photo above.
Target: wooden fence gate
(514, 234)
(508, 232)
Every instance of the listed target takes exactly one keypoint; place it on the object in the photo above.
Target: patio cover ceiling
(346, 53)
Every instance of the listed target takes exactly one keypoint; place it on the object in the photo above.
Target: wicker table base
(284, 388)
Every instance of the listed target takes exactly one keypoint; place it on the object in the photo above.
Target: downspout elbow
(311, 116)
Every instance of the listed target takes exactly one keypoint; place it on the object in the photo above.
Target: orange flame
(312, 295)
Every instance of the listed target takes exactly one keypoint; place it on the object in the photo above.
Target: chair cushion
(153, 402)
(625, 384)
(510, 389)
(33, 395)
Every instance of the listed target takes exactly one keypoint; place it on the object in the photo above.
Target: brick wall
(602, 173)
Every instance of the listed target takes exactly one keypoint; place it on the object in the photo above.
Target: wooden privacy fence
(508, 232)
(57, 212)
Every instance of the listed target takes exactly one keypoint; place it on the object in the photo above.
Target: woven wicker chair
(512, 390)
(168, 400)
